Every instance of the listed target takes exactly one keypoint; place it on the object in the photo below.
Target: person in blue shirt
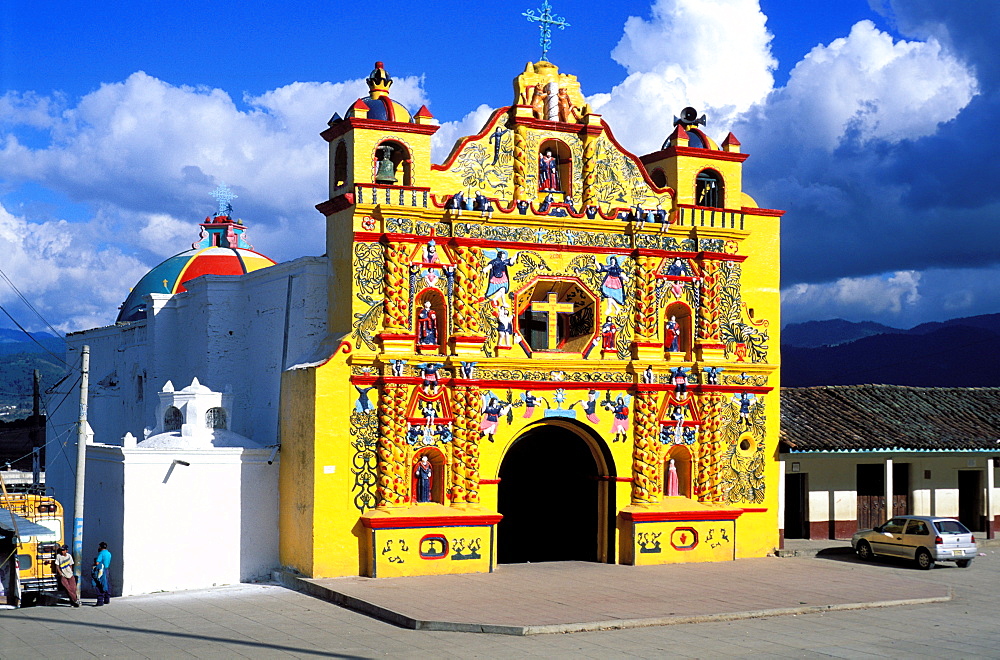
(103, 585)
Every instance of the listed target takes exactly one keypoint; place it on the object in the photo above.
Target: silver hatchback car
(925, 539)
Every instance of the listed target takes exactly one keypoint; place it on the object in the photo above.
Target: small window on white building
(215, 418)
(172, 420)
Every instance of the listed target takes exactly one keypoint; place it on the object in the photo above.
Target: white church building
(182, 461)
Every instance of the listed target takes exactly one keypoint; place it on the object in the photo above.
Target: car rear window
(951, 527)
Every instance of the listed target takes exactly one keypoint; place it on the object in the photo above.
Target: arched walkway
(554, 501)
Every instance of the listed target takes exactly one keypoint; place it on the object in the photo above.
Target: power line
(30, 306)
(32, 338)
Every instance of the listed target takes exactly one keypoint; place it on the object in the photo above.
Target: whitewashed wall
(832, 482)
(172, 526)
(232, 331)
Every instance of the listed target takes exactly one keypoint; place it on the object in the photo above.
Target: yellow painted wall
(345, 461)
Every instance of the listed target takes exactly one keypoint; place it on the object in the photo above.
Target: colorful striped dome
(171, 276)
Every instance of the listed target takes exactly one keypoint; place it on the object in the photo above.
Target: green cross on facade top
(546, 20)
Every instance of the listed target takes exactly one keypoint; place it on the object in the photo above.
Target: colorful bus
(31, 532)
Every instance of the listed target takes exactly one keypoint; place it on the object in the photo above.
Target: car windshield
(951, 527)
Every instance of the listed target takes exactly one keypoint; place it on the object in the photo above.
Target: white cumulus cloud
(711, 54)
(870, 87)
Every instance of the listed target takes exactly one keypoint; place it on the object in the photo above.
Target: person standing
(104, 585)
(64, 569)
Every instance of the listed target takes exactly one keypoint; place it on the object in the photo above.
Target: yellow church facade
(546, 348)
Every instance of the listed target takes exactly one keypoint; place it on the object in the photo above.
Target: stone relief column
(710, 450)
(645, 302)
(521, 164)
(645, 463)
(393, 470)
(465, 446)
(468, 290)
(397, 300)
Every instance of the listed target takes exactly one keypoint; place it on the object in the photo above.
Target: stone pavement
(268, 621)
(556, 597)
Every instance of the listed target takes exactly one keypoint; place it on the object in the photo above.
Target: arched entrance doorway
(555, 497)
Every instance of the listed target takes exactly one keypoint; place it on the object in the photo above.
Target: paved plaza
(270, 621)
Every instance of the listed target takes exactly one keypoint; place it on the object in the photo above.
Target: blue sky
(867, 122)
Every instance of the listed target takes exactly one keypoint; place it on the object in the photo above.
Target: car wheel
(924, 560)
(865, 551)
(963, 563)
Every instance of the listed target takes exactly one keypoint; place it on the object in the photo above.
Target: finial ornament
(546, 20)
(224, 196)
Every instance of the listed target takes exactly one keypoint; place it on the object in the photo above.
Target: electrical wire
(32, 337)
(30, 306)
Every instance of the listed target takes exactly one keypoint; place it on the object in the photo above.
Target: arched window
(215, 418)
(429, 488)
(431, 322)
(172, 419)
(393, 164)
(555, 168)
(340, 165)
(709, 189)
(681, 457)
(677, 328)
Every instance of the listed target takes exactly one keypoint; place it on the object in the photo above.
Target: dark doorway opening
(900, 489)
(970, 499)
(871, 495)
(796, 519)
(550, 498)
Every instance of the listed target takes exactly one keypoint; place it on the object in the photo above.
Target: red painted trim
(393, 187)
(387, 335)
(648, 343)
(709, 154)
(431, 521)
(469, 339)
(624, 480)
(671, 516)
(374, 237)
(345, 125)
(707, 345)
(335, 204)
(488, 482)
(546, 125)
(764, 510)
(774, 213)
(457, 149)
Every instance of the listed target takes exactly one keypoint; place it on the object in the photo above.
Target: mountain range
(960, 352)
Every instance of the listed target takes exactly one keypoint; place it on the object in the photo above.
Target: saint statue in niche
(673, 483)
(427, 333)
(673, 335)
(424, 472)
(609, 333)
(548, 172)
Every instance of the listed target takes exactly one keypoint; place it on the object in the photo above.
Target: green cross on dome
(224, 196)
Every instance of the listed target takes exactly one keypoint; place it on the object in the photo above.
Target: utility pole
(81, 461)
(36, 468)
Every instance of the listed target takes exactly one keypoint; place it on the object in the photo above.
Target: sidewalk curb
(309, 587)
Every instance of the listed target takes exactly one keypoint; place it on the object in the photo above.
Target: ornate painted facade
(546, 348)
